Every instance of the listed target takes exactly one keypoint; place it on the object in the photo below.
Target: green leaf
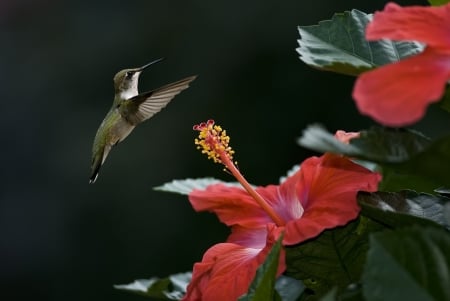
(317, 138)
(262, 287)
(188, 185)
(443, 191)
(445, 102)
(339, 45)
(289, 288)
(331, 295)
(447, 213)
(401, 154)
(404, 208)
(352, 293)
(432, 162)
(394, 179)
(334, 258)
(381, 145)
(408, 264)
(438, 2)
(170, 288)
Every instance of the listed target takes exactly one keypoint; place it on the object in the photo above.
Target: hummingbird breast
(119, 130)
(113, 130)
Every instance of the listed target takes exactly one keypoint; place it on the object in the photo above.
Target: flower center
(214, 142)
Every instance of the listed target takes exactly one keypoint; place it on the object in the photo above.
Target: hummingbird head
(126, 81)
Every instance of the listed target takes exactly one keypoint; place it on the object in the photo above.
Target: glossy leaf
(400, 153)
(262, 287)
(404, 208)
(331, 295)
(339, 45)
(447, 213)
(352, 293)
(394, 179)
(317, 138)
(288, 288)
(379, 145)
(187, 185)
(445, 102)
(334, 258)
(443, 190)
(170, 288)
(438, 2)
(409, 264)
(432, 163)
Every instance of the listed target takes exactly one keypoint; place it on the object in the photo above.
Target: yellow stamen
(214, 142)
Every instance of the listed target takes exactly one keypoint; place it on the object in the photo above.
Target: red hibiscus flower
(320, 195)
(399, 93)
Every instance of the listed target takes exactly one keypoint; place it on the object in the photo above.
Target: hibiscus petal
(328, 186)
(284, 199)
(227, 269)
(232, 205)
(398, 94)
(249, 237)
(428, 25)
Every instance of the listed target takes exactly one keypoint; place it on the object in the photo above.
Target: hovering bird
(129, 109)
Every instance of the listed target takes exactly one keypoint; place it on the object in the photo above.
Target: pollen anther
(213, 141)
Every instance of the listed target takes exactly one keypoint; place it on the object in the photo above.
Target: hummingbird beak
(149, 64)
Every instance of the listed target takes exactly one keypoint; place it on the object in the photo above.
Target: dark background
(63, 239)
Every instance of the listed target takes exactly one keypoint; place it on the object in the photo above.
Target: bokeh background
(63, 239)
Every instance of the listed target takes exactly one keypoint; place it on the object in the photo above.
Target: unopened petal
(345, 137)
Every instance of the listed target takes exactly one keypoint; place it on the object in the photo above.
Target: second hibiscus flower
(398, 94)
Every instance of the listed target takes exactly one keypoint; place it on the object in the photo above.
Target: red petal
(328, 189)
(430, 25)
(227, 269)
(232, 205)
(398, 94)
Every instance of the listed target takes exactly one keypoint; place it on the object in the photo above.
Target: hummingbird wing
(143, 106)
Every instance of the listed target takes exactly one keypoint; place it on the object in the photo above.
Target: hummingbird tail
(96, 164)
(93, 178)
(97, 161)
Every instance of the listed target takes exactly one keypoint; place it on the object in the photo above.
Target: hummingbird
(129, 109)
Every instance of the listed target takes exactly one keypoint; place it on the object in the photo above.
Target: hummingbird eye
(129, 74)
